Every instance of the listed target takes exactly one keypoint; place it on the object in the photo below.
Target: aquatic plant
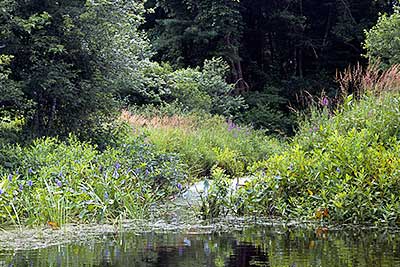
(65, 181)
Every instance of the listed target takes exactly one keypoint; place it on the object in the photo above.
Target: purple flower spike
(10, 177)
(30, 183)
(21, 187)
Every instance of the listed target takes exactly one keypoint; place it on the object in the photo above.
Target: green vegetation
(66, 181)
(382, 41)
(204, 142)
(110, 107)
(346, 163)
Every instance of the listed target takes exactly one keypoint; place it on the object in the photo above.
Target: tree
(69, 58)
(383, 41)
(186, 33)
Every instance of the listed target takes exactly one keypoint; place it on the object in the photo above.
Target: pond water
(268, 245)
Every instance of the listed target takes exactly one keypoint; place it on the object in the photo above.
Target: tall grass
(207, 141)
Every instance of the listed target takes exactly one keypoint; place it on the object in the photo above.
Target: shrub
(382, 41)
(345, 164)
(192, 89)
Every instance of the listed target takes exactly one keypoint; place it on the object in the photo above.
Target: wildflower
(58, 182)
(106, 195)
(147, 172)
(338, 170)
(231, 125)
(30, 170)
(324, 101)
(117, 166)
(179, 185)
(30, 183)
(21, 187)
(1, 191)
(60, 174)
(115, 174)
(10, 177)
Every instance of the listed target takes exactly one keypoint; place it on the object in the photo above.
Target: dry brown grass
(357, 80)
(164, 122)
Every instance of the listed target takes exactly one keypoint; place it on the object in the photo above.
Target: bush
(343, 167)
(382, 41)
(192, 89)
(71, 181)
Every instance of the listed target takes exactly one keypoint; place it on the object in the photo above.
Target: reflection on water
(257, 246)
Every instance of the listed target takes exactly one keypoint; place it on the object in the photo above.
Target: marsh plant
(70, 181)
(342, 162)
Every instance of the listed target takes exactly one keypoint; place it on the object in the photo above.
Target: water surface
(274, 246)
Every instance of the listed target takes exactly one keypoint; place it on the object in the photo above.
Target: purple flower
(30, 183)
(60, 174)
(106, 195)
(117, 166)
(179, 185)
(338, 170)
(231, 125)
(1, 191)
(10, 177)
(30, 170)
(146, 172)
(115, 174)
(324, 101)
(58, 182)
(21, 187)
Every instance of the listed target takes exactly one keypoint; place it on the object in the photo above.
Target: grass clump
(204, 142)
(70, 181)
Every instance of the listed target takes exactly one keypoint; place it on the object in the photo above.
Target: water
(273, 246)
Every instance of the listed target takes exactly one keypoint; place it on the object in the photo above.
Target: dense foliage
(274, 48)
(64, 59)
(71, 181)
(195, 78)
(382, 42)
(345, 164)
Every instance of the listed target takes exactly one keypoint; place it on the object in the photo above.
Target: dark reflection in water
(257, 246)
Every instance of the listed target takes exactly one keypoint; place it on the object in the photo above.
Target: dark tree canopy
(274, 47)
